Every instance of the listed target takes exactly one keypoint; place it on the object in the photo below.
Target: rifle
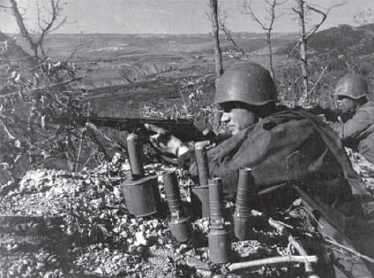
(329, 114)
(184, 129)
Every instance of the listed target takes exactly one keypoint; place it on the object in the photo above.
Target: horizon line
(154, 34)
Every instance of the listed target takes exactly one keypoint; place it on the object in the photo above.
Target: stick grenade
(200, 193)
(134, 152)
(179, 224)
(142, 196)
(219, 236)
(202, 162)
(217, 220)
(245, 198)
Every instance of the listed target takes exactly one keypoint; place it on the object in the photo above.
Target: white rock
(140, 239)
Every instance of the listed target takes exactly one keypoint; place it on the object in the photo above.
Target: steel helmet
(352, 85)
(246, 82)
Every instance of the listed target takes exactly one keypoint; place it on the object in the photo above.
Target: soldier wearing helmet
(245, 93)
(280, 146)
(352, 99)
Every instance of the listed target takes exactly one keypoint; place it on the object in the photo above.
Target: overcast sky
(172, 16)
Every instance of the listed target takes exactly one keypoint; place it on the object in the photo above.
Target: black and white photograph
(187, 138)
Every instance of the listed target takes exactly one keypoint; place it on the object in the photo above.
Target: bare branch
(273, 260)
(317, 26)
(215, 33)
(324, 16)
(272, 14)
(318, 80)
(302, 10)
(351, 250)
(76, 49)
(266, 24)
(227, 32)
(45, 26)
(5, 7)
(247, 9)
(296, 11)
(20, 21)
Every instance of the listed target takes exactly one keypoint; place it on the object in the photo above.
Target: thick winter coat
(284, 147)
(358, 132)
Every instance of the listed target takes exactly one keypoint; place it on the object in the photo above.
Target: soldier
(280, 145)
(357, 132)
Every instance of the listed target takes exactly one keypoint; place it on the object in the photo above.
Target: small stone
(116, 258)
(140, 239)
(132, 249)
(124, 234)
(40, 265)
(155, 223)
(99, 271)
(140, 249)
(142, 228)
(48, 274)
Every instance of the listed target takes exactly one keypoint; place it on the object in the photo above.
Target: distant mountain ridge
(120, 59)
(367, 27)
(342, 39)
(345, 38)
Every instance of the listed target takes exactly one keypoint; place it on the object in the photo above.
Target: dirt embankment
(134, 72)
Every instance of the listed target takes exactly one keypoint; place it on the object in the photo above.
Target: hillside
(346, 40)
(340, 40)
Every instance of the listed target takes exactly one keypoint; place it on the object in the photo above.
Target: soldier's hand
(205, 144)
(337, 126)
(209, 135)
(165, 142)
(340, 120)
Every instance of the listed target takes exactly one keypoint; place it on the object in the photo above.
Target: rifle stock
(183, 129)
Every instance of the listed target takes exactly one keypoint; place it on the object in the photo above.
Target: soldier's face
(236, 117)
(346, 104)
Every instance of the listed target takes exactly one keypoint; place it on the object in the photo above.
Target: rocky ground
(62, 224)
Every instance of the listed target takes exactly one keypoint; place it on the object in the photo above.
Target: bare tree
(215, 33)
(266, 24)
(303, 10)
(226, 30)
(45, 26)
(300, 10)
(32, 89)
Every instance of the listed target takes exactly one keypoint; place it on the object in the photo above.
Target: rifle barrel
(183, 129)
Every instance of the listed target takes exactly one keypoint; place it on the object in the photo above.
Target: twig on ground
(79, 149)
(302, 252)
(350, 250)
(273, 260)
(279, 226)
